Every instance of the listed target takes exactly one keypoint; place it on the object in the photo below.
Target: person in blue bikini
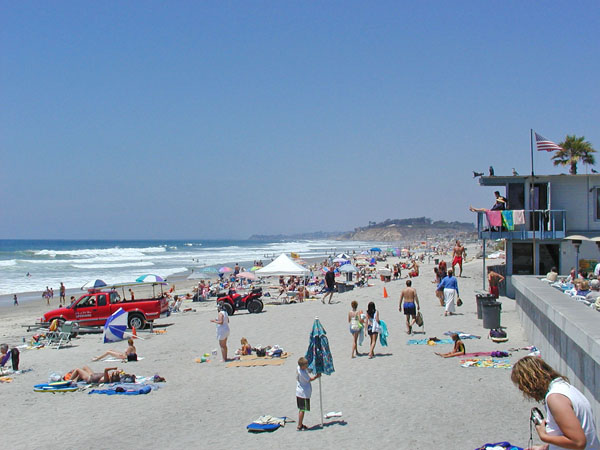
(410, 298)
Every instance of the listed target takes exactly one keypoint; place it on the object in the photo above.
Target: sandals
(302, 428)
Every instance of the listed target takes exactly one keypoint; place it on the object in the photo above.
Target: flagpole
(531, 141)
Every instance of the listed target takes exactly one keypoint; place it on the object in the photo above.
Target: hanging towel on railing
(518, 217)
(507, 220)
(494, 218)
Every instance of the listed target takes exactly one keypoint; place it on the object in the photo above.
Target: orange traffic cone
(133, 332)
(385, 294)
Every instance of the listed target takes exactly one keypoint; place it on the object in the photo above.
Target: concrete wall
(565, 331)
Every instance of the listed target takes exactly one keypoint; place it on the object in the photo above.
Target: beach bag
(497, 333)
(459, 302)
(14, 355)
(261, 352)
(419, 319)
(376, 327)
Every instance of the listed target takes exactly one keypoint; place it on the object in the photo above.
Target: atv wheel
(228, 308)
(255, 306)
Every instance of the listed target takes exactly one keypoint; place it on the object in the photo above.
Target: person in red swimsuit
(458, 255)
(494, 280)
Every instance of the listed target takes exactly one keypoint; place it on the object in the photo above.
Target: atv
(234, 301)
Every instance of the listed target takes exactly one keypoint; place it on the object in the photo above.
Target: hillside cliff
(409, 230)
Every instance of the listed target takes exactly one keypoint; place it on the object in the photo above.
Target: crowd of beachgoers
(209, 389)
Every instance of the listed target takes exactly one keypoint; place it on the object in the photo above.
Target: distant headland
(416, 228)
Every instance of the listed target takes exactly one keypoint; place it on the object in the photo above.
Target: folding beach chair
(61, 337)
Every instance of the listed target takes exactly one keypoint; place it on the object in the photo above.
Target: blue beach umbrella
(319, 356)
(375, 249)
(97, 284)
(208, 270)
(115, 326)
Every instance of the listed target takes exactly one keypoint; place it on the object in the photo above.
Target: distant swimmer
(28, 275)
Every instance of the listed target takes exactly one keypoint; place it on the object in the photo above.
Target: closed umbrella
(319, 356)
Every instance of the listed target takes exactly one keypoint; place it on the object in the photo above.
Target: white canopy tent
(282, 265)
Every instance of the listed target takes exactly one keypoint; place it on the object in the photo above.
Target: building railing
(539, 224)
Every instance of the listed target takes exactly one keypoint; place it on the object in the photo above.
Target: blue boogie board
(262, 427)
(61, 386)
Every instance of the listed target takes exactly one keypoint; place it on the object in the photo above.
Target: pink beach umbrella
(225, 269)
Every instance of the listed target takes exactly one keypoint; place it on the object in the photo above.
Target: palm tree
(574, 149)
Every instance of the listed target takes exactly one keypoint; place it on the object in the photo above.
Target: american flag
(544, 144)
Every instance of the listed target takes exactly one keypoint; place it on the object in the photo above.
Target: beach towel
(487, 362)
(462, 335)
(254, 361)
(121, 360)
(497, 354)
(518, 217)
(117, 390)
(494, 218)
(429, 341)
(507, 220)
(383, 334)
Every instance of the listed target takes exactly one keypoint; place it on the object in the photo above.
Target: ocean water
(50, 262)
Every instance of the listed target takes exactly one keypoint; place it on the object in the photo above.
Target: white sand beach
(405, 398)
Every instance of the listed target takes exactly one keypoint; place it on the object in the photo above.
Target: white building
(556, 206)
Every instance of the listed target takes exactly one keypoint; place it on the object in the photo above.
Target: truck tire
(228, 308)
(136, 320)
(255, 306)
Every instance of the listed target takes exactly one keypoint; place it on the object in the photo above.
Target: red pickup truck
(93, 308)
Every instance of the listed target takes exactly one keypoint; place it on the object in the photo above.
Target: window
(522, 258)
(87, 301)
(102, 300)
(114, 297)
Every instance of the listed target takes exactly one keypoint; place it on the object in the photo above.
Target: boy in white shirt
(303, 391)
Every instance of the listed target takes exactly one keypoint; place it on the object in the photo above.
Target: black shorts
(132, 357)
(329, 289)
(303, 403)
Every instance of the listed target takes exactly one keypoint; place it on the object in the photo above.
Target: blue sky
(223, 119)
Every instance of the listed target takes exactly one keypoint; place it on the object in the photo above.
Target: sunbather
(246, 348)
(88, 375)
(458, 350)
(130, 354)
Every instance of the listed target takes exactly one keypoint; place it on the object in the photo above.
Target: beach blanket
(118, 390)
(494, 218)
(429, 341)
(486, 362)
(254, 361)
(462, 335)
(498, 354)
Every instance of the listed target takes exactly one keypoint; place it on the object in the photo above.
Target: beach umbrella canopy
(115, 326)
(94, 284)
(340, 260)
(246, 275)
(208, 270)
(225, 269)
(319, 356)
(149, 278)
(364, 252)
(375, 249)
(348, 268)
(255, 268)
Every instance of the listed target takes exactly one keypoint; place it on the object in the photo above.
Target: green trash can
(479, 298)
(491, 314)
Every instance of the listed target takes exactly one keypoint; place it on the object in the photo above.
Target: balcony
(539, 224)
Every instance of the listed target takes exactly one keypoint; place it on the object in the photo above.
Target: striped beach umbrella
(115, 326)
